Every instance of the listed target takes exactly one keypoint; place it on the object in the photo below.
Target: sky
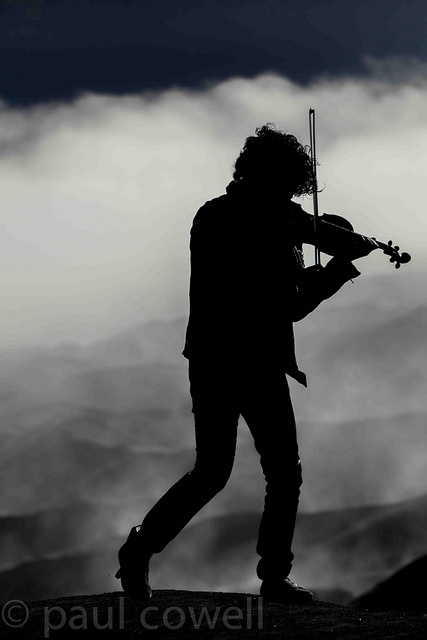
(119, 119)
(53, 49)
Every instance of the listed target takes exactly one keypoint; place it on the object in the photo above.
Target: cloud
(401, 69)
(98, 194)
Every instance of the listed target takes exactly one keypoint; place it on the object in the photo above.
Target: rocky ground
(203, 614)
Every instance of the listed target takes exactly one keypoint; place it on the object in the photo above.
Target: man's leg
(268, 412)
(216, 416)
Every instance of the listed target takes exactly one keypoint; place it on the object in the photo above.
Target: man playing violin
(248, 285)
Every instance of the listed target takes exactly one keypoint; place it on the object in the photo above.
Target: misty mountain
(346, 552)
(403, 590)
(54, 465)
(91, 436)
(349, 549)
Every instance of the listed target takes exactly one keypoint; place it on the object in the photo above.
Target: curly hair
(273, 153)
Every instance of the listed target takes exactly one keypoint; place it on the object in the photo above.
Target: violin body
(335, 236)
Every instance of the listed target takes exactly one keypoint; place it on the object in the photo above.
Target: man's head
(275, 161)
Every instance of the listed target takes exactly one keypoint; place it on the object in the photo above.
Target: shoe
(284, 591)
(133, 572)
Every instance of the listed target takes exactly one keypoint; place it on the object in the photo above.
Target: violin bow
(388, 248)
(312, 127)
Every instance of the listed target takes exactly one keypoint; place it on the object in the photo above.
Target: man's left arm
(318, 283)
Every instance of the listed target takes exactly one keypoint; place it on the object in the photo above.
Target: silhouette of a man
(248, 285)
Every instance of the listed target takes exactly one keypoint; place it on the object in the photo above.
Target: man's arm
(316, 284)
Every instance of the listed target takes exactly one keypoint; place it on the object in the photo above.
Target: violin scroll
(396, 257)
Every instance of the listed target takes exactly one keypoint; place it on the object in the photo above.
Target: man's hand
(362, 247)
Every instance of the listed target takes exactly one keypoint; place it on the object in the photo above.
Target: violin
(335, 236)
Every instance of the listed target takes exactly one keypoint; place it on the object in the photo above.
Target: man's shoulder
(298, 218)
(211, 210)
(215, 203)
(297, 209)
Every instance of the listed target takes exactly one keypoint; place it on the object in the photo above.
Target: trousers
(221, 392)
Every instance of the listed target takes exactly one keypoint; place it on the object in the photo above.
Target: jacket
(248, 281)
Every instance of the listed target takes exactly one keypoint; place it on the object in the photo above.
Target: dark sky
(54, 49)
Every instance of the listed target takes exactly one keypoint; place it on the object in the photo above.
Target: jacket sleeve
(318, 283)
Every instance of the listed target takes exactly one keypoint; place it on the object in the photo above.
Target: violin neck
(385, 247)
(382, 245)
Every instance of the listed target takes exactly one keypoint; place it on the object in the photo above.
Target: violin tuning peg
(389, 243)
(396, 248)
(397, 265)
